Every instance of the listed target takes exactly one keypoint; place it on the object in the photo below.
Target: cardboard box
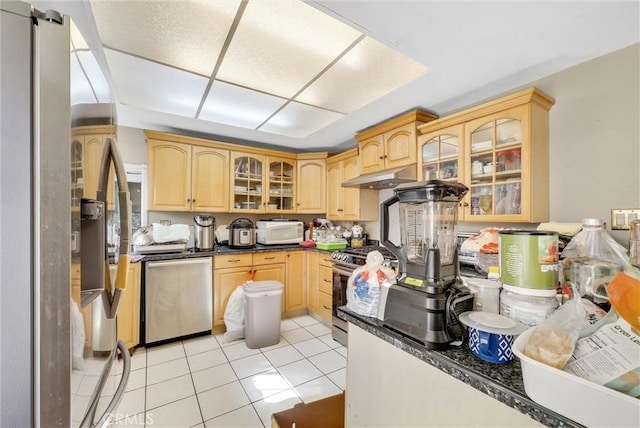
(325, 413)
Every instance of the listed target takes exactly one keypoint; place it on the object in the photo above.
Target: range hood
(386, 179)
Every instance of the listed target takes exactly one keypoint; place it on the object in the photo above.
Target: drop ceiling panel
(366, 73)
(151, 86)
(299, 120)
(233, 105)
(279, 46)
(184, 34)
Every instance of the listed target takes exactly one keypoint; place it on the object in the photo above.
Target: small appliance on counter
(205, 225)
(429, 295)
(242, 233)
(279, 232)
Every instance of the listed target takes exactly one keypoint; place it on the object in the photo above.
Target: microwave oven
(276, 232)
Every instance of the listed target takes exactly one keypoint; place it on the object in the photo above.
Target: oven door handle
(342, 271)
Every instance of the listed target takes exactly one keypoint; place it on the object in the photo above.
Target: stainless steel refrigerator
(37, 241)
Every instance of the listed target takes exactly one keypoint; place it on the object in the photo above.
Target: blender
(429, 295)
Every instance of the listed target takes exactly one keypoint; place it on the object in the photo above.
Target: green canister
(529, 261)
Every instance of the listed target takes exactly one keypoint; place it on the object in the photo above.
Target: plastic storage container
(578, 399)
(486, 292)
(262, 313)
(529, 310)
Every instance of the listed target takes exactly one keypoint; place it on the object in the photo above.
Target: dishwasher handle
(181, 262)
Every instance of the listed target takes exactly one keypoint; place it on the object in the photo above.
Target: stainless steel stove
(344, 263)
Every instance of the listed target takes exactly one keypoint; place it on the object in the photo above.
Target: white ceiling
(473, 50)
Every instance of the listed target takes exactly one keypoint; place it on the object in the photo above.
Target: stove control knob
(335, 255)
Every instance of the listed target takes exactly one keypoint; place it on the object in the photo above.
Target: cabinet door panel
(325, 301)
(496, 154)
(210, 179)
(325, 279)
(269, 258)
(128, 319)
(312, 280)
(296, 296)
(334, 191)
(372, 154)
(350, 195)
(93, 146)
(311, 188)
(248, 181)
(280, 188)
(169, 176)
(225, 282)
(400, 146)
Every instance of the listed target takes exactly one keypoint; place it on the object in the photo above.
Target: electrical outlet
(622, 218)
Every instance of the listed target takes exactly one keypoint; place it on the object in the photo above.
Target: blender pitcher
(428, 213)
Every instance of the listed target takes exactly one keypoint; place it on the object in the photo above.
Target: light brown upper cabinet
(262, 183)
(183, 177)
(281, 185)
(500, 150)
(348, 203)
(391, 144)
(87, 145)
(312, 183)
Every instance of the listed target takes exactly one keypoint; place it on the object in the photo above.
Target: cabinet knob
(380, 157)
(385, 156)
(465, 204)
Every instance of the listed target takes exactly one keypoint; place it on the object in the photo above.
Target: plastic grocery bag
(77, 338)
(234, 316)
(363, 286)
(553, 340)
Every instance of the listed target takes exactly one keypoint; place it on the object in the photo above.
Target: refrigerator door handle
(110, 155)
(105, 419)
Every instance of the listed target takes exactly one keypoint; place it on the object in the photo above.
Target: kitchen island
(393, 381)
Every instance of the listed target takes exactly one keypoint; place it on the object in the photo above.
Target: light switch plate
(621, 218)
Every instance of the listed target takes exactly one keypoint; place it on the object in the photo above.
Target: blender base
(424, 318)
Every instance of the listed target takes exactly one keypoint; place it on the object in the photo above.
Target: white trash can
(262, 313)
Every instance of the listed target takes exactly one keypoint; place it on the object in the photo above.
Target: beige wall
(595, 137)
(594, 140)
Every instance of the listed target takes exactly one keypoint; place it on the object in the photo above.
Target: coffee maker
(429, 295)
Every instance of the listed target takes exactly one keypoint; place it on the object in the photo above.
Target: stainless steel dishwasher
(178, 298)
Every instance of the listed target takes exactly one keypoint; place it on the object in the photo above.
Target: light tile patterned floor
(204, 382)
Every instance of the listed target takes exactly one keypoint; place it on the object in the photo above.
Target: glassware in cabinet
(495, 172)
(281, 185)
(440, 154)
(247, 183)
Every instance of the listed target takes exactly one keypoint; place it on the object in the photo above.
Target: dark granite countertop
(502, 382)
(223, 249)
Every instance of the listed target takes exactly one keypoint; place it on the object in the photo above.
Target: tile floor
(204, 382)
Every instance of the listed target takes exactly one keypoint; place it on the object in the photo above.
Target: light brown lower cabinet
(233, 270)
(128, 318)
(320, 284)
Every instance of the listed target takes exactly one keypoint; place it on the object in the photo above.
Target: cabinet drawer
(75, 270)
(232, 260)
(324, 259)
(325, 280)
(324, 306)
(268, 258)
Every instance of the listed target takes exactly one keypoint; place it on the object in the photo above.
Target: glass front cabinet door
(440, 155)
(281, 185)
(248, 179)
(494, 172)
